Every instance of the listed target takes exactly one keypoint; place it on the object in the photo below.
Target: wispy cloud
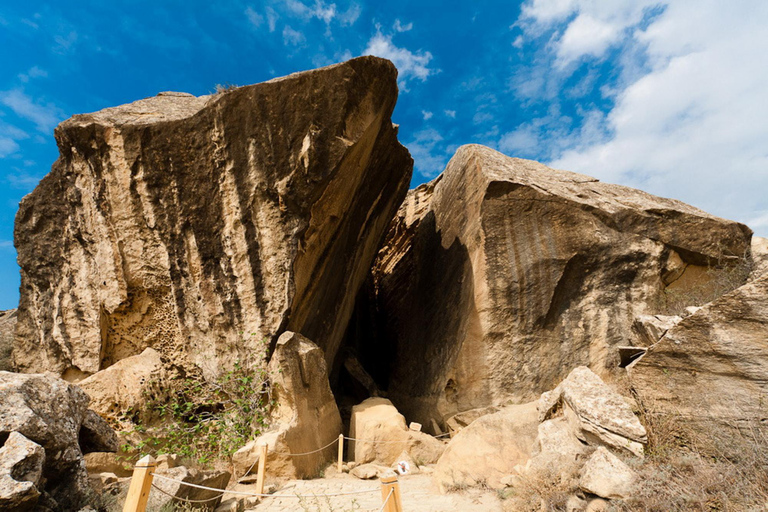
(320, 10)
(426, 115)
(450, 113)
(33, 72)
(350, 16)
(292, 37)
(45, 116)
(399, 27)
(409, 64)
(254, 17)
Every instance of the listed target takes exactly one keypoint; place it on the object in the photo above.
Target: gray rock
(607, 476)
(21, 471)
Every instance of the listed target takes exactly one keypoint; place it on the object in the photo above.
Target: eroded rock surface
(502, 275)
(7, 333)
(709, 371)
(200, 226)
(21, 471)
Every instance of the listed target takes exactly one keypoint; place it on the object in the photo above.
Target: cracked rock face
(502, 275)
(200, 226)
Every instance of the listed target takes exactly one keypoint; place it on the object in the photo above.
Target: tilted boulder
(171, 489)
(502, 275)
(489, 448)
(200, 226)
(55, 415)
(596, 413)
(21, 471)
(379, 431)
(305, 419)
(709, 371)
(605, 475)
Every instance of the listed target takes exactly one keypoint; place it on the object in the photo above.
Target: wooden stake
(394, 503)
(141, 484)
(262, 469)
(341, 452)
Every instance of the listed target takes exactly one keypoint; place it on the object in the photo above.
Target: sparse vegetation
(205, 421)
(547, 489)
(225, 87)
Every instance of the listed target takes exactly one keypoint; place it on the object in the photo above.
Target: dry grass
(545, 490)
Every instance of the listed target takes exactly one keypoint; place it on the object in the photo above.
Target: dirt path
(419, 494)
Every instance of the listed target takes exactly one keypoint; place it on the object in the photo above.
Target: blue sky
(669, 96)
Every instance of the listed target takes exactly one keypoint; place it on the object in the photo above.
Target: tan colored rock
(370, 471)
(167, 461)
(650, 328)
(170, 489)
(7, 334)
(423, 448)
(708, 372)
(306, 418)
(379, 431)
(458, 421)
(598, 505)
(759, 252)
(596, 414)
(21, 471)
(607, 476)
(106, 462)
(121, 388)
(489, 448)
(502, 275)
(179, 222)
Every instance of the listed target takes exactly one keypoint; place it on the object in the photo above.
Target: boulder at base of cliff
(305, 418)
(54, 414)
(21, 471)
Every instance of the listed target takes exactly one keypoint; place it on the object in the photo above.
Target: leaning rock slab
(21, 470)
(489, 448)
(502, 275)
(607, 476)
(179, 222)
(598, 414)
(306, 418)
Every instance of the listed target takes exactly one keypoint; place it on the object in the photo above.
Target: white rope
(186, 500)
(289, 454)
(375, 442)
(383, 505)
(255, 495)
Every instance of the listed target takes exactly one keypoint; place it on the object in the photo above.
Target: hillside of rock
(502, 275)
(200, 226)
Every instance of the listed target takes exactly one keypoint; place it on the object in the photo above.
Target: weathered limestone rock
(423, 448)
(759, 253)
(489, 448)
(179, 222)
(53, 414)
(96, 435)
(21, 470)
(650, 328)
(556, 448)
(214, 478)
(106, 462)
(306, 417)
(458, 421)
(121, 388)
(501, 275)
(7, 331)
(597, 414)
(370, 471)
(607, 476)
(709, 371)
(381, 432)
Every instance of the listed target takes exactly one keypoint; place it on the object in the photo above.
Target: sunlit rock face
(502, 275)
(201, 226)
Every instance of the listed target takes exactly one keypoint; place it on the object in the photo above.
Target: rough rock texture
(306, 417)
(650, 328)
(7, 331)
(106, 462)
(489, 448)
(458, 421)
(179, 222)
(500, 276)
(373, 421)
(556, 447)
(759, 257)
(55, 415)
(21, 471)
(709, 371)
(161, 501)
(597, 414)
(121, 388)
(607, 476)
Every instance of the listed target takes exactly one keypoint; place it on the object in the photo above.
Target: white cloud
(292, 37)
(690, 107)
(321, 10)
(450, 113)
(399, 27)
(255, 18)
(45, 116)
(33, 72)
(350, 16)
(271, 19)
(426, 115)
(429, 159)
(409, 64)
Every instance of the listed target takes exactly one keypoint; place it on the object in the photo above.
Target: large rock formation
(54, 414)
(7, 331)
(709, 371)
(500, 276)
(200, 226)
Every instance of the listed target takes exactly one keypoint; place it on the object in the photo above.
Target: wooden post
(394, 503)
(341, 452)
(262, 469)
(141, 484)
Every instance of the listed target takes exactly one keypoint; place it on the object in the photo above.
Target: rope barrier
(187, 500)
(384, 505)
(289, 454)
(255, 495)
